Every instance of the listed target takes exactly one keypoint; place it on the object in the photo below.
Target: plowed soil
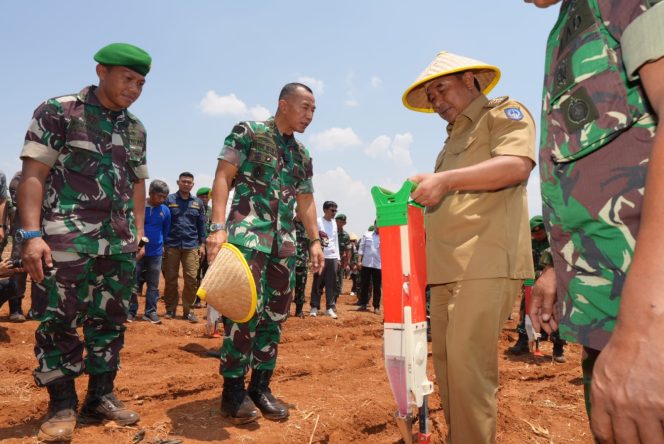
(331, 372)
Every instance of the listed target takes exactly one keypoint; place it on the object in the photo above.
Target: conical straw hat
(445, 63)
(229, 286)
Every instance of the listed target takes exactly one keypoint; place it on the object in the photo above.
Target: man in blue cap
(80, 235)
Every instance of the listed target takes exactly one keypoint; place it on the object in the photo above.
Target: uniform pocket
(262, 163)
(81, 160)
(587, 97)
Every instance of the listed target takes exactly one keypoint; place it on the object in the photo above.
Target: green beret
(536, 221)
(341, 216)
(124, 54)
(203, 191)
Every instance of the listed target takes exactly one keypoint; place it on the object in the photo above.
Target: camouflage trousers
(340, 280)
(87, 290)
(593, 210)
(254, 343)
(588, 359)
(300, 284)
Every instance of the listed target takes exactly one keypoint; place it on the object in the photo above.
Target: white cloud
(352, 196)
(334, 138)
(534, 193)
(215, 105)
(396, 149)
(379, 147)
(376, 82)
(351, 94)
(318, 86)
(401, 149)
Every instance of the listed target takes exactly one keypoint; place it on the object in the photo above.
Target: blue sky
(218, 62)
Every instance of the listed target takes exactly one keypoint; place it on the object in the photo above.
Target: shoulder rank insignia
(495, 102)
(513, 113)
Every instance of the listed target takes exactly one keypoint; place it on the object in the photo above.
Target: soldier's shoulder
(303, 149)
(136, 121)
(58, 103)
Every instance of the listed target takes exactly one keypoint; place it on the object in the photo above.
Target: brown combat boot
(61, 419)
(235, 404)
(101, 404)
(259, 392)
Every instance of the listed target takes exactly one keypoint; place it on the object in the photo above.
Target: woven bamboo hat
(229, 286)
(446, 63)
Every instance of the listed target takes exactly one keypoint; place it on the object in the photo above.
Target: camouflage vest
(588, 100)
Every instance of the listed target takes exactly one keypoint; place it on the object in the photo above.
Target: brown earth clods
(331, 372)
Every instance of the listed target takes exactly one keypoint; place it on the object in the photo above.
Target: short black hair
(329, 204)
(186, 174)
(290, 88)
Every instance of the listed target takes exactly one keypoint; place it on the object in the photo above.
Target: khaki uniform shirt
(482, 234)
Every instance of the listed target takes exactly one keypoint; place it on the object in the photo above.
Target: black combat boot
(259, 392)
(61, 419)
(521, 346)
(101, 404)
(558, 347)
(235, 404)
(298, 310)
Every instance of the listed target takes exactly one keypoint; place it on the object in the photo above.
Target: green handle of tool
(383, 196)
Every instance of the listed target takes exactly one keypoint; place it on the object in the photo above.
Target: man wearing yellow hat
(478, 237)
(82, 197)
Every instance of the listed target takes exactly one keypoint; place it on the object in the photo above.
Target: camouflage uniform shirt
(3, 187)
(95, 156)
(597, 135)
(344, 243)
(272, 170)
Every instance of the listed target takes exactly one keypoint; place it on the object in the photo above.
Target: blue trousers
(148, 270)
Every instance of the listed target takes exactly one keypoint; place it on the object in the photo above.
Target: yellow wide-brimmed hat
(229, 286)
(445, 63)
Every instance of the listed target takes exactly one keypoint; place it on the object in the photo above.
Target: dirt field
(331, 372)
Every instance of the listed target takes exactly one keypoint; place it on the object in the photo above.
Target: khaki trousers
(171, 267)
(466, 319)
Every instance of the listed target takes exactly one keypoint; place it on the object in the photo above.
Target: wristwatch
(214, 226)
(23, 235)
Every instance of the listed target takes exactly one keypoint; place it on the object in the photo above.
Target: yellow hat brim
(415, 97)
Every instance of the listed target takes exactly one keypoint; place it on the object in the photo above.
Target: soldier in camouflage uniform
(541, 260)
(272, 170)
(3, 211)
(345, 251)
(602, 95)
(88, 153)
(301, 260)
(19, 279)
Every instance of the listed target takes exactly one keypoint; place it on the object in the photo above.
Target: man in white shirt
(370, 272)
(328, 275)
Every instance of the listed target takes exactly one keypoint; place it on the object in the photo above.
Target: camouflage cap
(341, 216)
(536, 221)
(203, 191)
(124, 54)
